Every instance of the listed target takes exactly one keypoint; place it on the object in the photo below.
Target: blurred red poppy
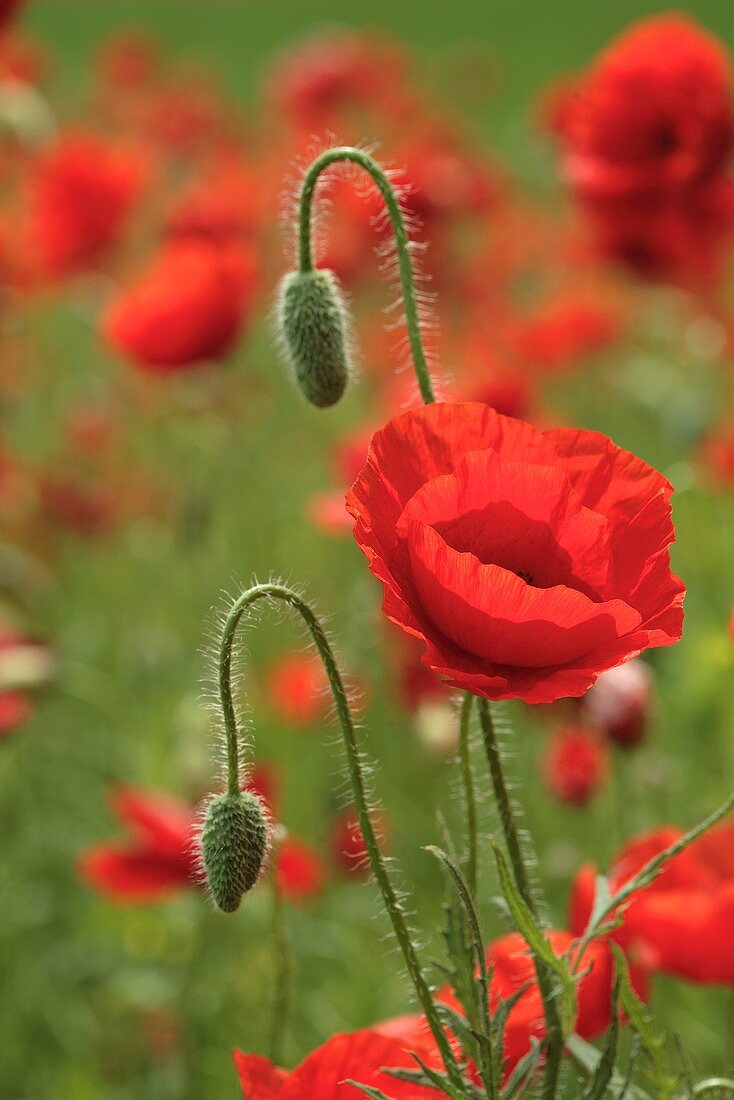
(527, 562)
(188, 307)
(575, 765)
(300, 870)
(82, 192)
(158, 856)
(646, 135)
(298, 689)
(682, 923)
(347, 845)
(360, 1056)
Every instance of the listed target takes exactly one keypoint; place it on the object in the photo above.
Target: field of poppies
(366, 550)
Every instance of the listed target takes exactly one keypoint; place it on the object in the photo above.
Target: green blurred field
(129, 616)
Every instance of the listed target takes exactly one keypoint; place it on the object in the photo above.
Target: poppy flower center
(522, 517)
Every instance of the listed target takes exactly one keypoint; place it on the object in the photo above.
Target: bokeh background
(118, 1002)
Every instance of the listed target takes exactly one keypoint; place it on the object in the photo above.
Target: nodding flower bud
(313, 321)
(234, 841)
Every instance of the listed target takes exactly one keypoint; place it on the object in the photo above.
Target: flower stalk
(349, 154)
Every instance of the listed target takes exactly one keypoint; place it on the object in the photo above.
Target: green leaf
(525, 1069)
(605, 1068)
(651, 1036)
(587, 1058)
(532, 933)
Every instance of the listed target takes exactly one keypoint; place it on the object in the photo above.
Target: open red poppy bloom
(527, 562)
(360, 1056)
(156, 859)
(189, 307)
(681, 924)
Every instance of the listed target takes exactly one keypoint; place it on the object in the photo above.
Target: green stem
(467, 780)
(508, 820)
(402, 242)
(283, 973)
(393, 904)
(511, 833)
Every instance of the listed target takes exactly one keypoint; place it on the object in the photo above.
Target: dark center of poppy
(525, 575)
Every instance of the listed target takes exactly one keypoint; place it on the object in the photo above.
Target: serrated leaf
(651, 1036)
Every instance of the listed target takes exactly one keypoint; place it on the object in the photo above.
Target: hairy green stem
(508, 821)
(393, 905)
(402, 242)
(546, 984)
(283, 972)
(467, 779)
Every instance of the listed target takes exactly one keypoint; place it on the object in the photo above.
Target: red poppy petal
(608, 479)
(157, 819)
(259, 1078)
(360, 1056)
(129, 875)
(520, 515)
(493, 614)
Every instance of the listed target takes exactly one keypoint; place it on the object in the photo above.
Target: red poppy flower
(300, 870)
(188, 307)
(82, 192)
(527, 562)
(347, 843)
(298, 689)
(646, 137)
(327, 510)
(682, 923)
(328, 74)
(655, 111)
(360, 1056)
(219, 205)
(156, 859)
(563, 332)
(618, 705)
(575, 766)
(512, 967)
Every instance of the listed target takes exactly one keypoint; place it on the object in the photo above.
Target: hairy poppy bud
(233, 845)
(313, 321)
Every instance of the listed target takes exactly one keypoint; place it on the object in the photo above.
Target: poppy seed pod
(313, 321)
(233, 845)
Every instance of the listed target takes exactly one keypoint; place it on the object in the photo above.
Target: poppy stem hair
(393, 904)
(402, 241)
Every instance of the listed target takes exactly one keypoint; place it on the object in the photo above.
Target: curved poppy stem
(402, 242)
(467, 779)
(394, 906)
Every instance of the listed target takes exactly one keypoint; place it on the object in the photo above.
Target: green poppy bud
(234, 841)
(314, 326)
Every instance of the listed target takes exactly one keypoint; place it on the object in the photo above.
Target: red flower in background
(156, 859)
(527, 562)
(187, 308)
(297, 688)
(575, 766)
(347, 845)
(328, 74)
(618, 705)
(300, 870)
(82, 192)
(360, 1056)
(681, 924)
(563, 331)
(647, 134)
(220, 204)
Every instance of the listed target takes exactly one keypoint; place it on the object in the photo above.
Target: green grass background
(129, 617)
